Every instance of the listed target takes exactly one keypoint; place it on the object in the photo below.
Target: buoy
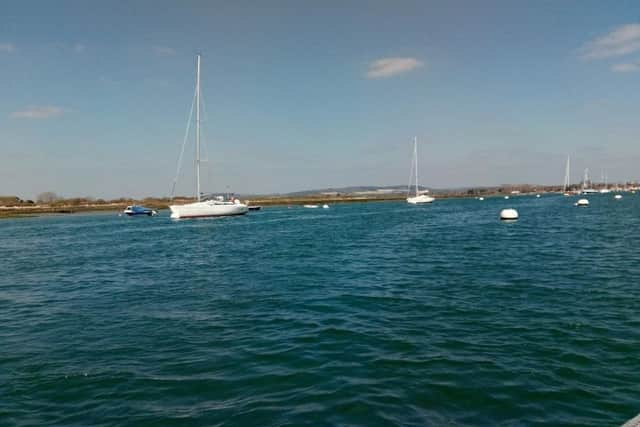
(506, 197)
(618, 196)
(509, 214)
(480, 198)
(583, 203)
(537, 195)
(325, 206)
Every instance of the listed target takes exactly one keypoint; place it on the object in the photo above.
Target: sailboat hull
(207, 209)
(421, 199)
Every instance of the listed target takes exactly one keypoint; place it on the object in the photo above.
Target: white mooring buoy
(481, 198)
(618, 196)
(508, 214)
(583, 203)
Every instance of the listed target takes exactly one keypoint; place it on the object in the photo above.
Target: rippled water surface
(362, 314)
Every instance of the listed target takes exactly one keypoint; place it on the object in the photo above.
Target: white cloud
(7, 48)
(164, 50)
(619, 42)
(629, 67)
(387, 67)
(38, 112)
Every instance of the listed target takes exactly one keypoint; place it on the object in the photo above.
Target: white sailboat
(587, 184)
(605, 189)
(204, 208)
(567, 178)
(418, 198)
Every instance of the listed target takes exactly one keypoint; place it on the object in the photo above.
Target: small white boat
(420, 197)
(618, 196)
(325, 206)
(582, 203)
(311, 206)
(135, 210)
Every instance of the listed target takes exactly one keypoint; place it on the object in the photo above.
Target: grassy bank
(71, 208)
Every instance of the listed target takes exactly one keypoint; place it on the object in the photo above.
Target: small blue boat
(139, 210)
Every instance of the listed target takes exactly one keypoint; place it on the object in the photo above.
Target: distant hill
(361, 189)
(374, 191)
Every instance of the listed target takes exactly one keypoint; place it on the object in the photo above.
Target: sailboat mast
(198, 127)
(567, 176)
(415, 157)
(586, 178)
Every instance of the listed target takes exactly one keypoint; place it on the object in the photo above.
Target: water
(362, 314)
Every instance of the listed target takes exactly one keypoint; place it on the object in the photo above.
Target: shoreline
(69, 209)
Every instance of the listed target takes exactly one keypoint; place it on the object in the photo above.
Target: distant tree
(48, 197)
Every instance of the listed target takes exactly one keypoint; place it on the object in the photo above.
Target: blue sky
(95, 97)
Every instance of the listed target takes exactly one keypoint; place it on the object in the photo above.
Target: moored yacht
(204, 208)
(135, 210)
(420, 196)
(587, 185)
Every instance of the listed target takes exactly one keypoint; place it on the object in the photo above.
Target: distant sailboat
(567, 178)
(605, 189)
(586, 184)
(418, 198)
(204, 208)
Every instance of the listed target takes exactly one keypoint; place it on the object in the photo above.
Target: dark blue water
(362, 314)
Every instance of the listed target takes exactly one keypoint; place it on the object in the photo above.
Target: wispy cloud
(38, 112)
(388, 67)
(621, 41)
(7, 48)
(164, 50)
(629, 67)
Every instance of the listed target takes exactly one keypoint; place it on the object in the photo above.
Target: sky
(95, 96)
